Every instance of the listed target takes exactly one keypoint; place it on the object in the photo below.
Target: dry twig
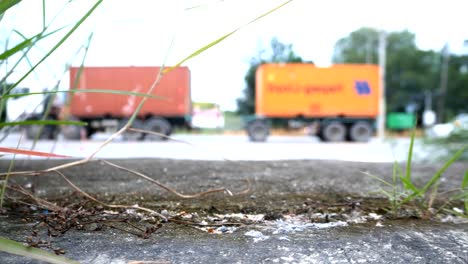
(185, 196)
(108, 205)
(41, 202)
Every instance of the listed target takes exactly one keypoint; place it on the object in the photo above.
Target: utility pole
(382, 62)
(443, 84)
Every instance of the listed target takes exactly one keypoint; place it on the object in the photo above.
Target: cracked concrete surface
(397, 241)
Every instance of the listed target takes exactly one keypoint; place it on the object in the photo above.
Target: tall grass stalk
(410, 192)
(61, 41)
(464, 189)
(5, 181)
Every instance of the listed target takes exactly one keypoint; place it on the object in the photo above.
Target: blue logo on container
(362, 87)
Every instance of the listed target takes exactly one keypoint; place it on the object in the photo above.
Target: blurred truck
(337, 103)
(109, 110)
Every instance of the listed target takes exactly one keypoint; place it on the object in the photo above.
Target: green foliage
(409, 71)
(359, 47)
(280, 52)
(457, 86)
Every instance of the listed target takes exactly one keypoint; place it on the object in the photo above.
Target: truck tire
(334, 131)
(158, 125)
(71, 132)
(360, 131)
(46, 132)
(32, 132)
(131, 135)
(258, 131)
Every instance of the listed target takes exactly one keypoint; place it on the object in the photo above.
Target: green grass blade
(15, 49)
(80, 70)
(447, 164)
(460, 196)
(5, 183)
(455, 213)
(43, 15)
(217, 41)
(164, 70)
(410, 156)
(43, 122)
(33, 40)
(40, 35)
(407, 199)
(395, 172)
(465, 180)
(198, 6)
(61, 41)
(7, 4)
(68, 101)
(390, 196)
(199, 51)
(13, 247)
(395, 188)
(398, 169)
(105, 91)
(408, 185)
(377, 178)
(153, 86)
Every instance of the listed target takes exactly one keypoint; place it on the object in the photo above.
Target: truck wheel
(334, 131)
(360, 131)
(131, 135)
(258, 131)
(158, 125)
(90, 131)
(46, 132)
(32, 132)
(71, 132)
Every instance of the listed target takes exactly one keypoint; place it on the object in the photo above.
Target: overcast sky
(139, 33)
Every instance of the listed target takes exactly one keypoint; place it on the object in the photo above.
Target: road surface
(219, 147)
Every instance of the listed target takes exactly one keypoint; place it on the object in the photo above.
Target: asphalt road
(219, 147)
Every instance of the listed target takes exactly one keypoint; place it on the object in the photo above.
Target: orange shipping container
(304, 90)
(174, 87)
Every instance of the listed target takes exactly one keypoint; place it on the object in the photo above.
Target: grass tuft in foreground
(402, 189)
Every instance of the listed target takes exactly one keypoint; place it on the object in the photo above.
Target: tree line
(412, 75)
